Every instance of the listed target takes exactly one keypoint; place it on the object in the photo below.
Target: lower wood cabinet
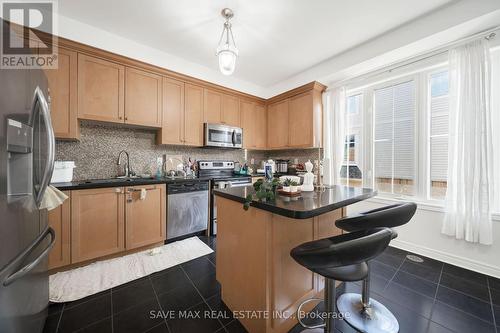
(60, 221)
(145, 219)
(100, 222)
(97, 223)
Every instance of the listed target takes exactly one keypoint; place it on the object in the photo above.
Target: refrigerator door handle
(26, 269)
(49, 165)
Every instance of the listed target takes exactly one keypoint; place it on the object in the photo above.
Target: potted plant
(264, 191)
(286, 185)
(293, 186)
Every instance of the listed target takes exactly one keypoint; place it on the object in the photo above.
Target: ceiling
(276, 39)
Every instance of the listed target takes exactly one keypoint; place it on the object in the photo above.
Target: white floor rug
(102, 275)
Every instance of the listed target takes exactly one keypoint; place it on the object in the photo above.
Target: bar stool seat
(342, 258)
(367, 314)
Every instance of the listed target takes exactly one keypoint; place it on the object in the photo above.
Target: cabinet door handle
(129, 190)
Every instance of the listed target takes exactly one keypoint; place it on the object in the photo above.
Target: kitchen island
(259, 279)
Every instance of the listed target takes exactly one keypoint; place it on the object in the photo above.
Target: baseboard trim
(448, 258)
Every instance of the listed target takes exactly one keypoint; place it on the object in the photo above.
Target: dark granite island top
(307, 205)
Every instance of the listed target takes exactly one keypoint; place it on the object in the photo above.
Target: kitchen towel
(52, 198)
(102, 275)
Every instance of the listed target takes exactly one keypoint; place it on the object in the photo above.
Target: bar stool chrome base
(375, 319)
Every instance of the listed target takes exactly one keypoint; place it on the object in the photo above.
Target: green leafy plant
(264, 191)
(293, 183)
(287, 182)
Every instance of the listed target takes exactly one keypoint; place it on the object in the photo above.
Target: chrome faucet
(128, 170)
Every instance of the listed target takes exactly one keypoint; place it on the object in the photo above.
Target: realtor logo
(28, 39)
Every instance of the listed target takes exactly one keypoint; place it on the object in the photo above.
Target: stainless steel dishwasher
(187, 208)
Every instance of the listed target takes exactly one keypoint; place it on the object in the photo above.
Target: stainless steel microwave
(217, 135)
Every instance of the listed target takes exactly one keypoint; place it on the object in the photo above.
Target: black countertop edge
(296, 214)
(104, 183)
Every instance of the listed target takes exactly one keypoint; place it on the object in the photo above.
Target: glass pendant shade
(227, 59)
(227, 51)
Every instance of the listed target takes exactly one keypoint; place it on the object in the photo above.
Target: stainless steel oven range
(221, 174)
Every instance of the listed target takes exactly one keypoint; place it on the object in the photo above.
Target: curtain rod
(487, 34)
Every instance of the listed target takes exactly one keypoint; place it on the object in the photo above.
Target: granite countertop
(116, 182)
(307, 205)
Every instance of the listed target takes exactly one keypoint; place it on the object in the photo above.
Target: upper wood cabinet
(248, 123)
(60, 220)
(277, 125)
(260, 137)
(295, 120)
(230, 110)
(172, 129)
(304, 119)
(254, 124)
(63, 95)
(100, 89)
(212, 107)
(97, 223)
(143, 98)
(193, 115)
(145, 219)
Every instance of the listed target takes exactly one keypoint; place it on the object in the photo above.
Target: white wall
(86, 34)
(422, 235)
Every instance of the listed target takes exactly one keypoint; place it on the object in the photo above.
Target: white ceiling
(276, 39)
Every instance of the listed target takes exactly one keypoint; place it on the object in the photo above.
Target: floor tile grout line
(202, 297)
(491, 305)
(467, 313)
(463, 293)
(60, 318)
(436, 292)
(112, 319)
(158, 301)
(395, 273)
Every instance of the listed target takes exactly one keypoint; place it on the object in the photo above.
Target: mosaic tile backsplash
(96, 153)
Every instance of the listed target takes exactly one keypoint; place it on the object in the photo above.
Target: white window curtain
(334, 104)
(470, 151)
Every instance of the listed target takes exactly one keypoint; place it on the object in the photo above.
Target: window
(438, 133)
(351, 173)
(394, 138)
(397, 131)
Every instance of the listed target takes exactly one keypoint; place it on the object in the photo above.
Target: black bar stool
(369, 315)
(342, 258)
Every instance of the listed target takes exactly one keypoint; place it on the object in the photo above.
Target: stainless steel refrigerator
(26, 163)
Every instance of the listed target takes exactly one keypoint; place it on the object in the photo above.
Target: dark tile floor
(428, 297)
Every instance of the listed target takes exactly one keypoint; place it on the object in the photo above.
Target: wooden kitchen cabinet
(212, 106)
(277, 125)
(254, 124)
(63, 95)
(143, 98)
(145, 219)
(294, 119)
(193, 115)
(260, 136)
(100, 89)
(172, 129)
(248, 123)
(60, 220)
(230, 111)
(304, 120)
(97, 223)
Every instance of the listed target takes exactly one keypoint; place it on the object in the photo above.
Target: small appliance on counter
(282, 166)
(63, 172)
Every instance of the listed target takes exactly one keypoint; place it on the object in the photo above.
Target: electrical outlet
(295, 161)
(252, 161)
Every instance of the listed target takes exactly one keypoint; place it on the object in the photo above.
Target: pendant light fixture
(227, 51)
